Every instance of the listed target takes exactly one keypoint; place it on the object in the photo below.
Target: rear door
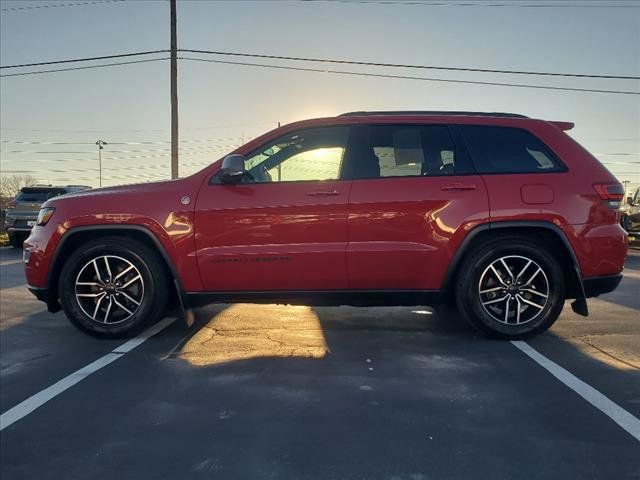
(285, 227)
(414, 197)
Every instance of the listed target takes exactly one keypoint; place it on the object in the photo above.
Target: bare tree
(10, 185)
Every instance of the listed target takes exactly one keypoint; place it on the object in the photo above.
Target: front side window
(407, 151)
(508, 150)
(313, 154)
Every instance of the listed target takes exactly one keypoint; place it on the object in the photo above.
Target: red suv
(505, 215)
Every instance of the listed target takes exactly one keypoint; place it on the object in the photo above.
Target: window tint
(38, 196)
(314, 154)
(508, 150)
(407, 150)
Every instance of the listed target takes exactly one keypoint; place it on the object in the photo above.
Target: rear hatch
(28, 202)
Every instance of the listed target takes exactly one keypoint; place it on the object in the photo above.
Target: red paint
(391, 233)
(536, 194)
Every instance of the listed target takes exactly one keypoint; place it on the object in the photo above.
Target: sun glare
(246, 331)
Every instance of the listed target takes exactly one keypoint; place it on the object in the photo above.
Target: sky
(50, 122)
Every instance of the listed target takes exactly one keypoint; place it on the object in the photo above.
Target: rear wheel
(510, 288)
(113, 287)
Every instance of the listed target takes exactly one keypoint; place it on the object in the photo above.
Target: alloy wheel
(109, 289)
(513, 290)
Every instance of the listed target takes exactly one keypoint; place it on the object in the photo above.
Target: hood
(108, 192)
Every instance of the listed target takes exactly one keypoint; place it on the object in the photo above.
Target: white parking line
(9, 262)
(615, 412)
(27, 406)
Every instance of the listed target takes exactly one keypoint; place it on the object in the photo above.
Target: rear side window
(508, 150)
(407, 151)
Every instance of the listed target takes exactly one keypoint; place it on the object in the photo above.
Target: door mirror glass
(232, 169)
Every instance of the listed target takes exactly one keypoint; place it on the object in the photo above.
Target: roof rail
(433, 112)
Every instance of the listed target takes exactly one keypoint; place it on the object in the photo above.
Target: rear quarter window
(508, 150)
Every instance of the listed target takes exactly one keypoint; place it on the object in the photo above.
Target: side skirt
(358, 298)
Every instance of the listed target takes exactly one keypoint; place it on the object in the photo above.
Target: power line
(476, 4)
(400, 65)
(59, 5)
(335, 61)
(214, 146)
(155, 166)
(109, 157)
(408, 77)
(157, 130)
(201, 140)
(83, 68)
(85, 59)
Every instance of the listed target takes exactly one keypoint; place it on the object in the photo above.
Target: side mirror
(232, 169)
(630, 201)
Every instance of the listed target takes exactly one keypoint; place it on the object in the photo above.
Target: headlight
(44, 215)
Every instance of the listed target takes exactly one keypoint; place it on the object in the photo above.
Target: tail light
(11, 204)
(611, 193)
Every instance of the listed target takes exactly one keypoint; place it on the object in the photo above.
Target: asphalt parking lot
(320, 393)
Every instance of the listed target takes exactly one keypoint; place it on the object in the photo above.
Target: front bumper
(595, 286)
(42, 294)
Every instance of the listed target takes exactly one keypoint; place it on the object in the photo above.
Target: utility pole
(100, 144)
(174, 92)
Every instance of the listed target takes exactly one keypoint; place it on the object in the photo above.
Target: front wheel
(510, 288)
(113, 287)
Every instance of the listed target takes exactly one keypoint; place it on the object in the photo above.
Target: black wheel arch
(551, 233)
(77, 235)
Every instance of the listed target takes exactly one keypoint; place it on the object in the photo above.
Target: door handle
(458, 187)
(323, 193)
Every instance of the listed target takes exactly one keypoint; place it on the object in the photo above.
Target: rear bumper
(595, 286)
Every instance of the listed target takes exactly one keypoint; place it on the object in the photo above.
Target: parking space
(297, 392)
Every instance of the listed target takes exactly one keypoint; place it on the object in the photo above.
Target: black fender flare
(579, 305)
(52, 300)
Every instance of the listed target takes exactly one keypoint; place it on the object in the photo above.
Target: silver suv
(22, 212)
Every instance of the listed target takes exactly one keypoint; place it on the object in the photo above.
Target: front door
(284, 228)
(414, 197)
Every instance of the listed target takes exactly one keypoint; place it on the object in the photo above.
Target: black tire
(154, 287)
(15, 240)
(482, 317)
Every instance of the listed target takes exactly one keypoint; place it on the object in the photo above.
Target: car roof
(406, 116)
(439, 113)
